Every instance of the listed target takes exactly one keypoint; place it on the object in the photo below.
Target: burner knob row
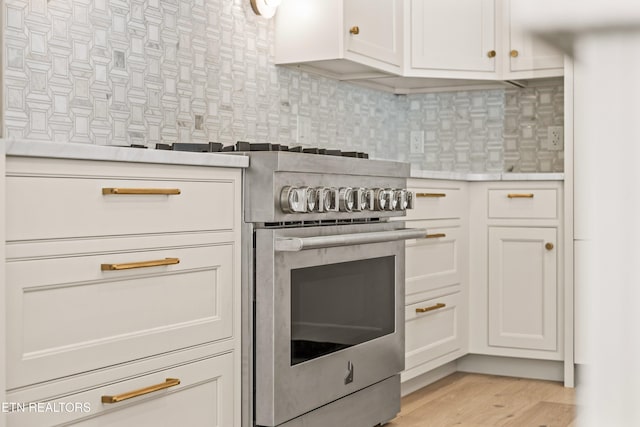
(345, 199)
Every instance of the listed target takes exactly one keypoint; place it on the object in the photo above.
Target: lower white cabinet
(523, 303)
(435, 333)
(198, 394)
(516, 287)
(436, 285)
(122, 276)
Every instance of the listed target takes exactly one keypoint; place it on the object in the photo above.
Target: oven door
(329, 314)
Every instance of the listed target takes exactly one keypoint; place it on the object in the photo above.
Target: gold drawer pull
(549, 246)
(431, 308)
(141, 264)
(169, 382)
(354, 30)
(431, 195)
(435, 236)
(520, 196)
(161, 191)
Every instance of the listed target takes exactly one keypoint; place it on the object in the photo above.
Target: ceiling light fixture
(265, 8)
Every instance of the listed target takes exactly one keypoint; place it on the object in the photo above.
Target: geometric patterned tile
(148, 71)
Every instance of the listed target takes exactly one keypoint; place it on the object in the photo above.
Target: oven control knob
(391, 200)
(346, 196)
(361, 199)
(401, 199)
(381, 200)
(292, 200)
(311, 199)
(410, 200)
(327, 199)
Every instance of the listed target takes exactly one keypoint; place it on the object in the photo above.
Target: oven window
(336, 306)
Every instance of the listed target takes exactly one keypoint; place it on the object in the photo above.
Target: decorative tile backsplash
(116, 72)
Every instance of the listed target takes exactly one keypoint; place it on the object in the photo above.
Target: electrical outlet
(417, 142)
(555, 138)
(303, 135)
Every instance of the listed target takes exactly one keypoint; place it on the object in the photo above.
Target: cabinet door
(523, 288)
(435, 333)
(453, 34)
(204, 396)
(379, 34)
(528, 53)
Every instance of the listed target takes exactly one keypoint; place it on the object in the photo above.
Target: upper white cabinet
(406, 46)
(345, 37)
(475, 39)
(452, 38)
(526, 56)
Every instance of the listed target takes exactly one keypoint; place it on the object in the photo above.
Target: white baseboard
(416, 383)
(491, 365)
(512, 367)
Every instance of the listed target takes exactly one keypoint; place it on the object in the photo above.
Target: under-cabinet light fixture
(265, 8)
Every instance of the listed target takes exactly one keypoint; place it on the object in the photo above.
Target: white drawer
(435, 332)
(204, 398)
(435, 262)
(534, 203)
(437, 202)
(50, 206)
(67, 316)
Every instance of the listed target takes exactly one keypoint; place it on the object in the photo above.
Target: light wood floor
(474, 400)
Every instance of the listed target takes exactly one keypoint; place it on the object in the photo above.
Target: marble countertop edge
(488, 176)
(81, 151)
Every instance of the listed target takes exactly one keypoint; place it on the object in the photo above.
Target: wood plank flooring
(474, 400)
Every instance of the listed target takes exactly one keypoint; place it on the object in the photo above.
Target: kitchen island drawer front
(436, 202)
(523, 203)
(69, 316)
(434, 261)
(433, 329)
(204, 397)
(46, 207)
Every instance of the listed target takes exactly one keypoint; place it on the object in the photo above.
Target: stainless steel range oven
(323, 301)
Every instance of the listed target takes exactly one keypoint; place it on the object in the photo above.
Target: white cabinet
(475, 39)
(342, 37)
(115, 271)
(405, 46)
(523, 283)
(448, 37)
(436, 310)
(516, 289)
(199, 394)
(526, 56)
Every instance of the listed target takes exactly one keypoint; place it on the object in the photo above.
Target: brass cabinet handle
(549, 246)
(520, 196)
(161, 191)
(431, 308)
(141, 264)
(514, 53)
(435, 236)
(431, 195)
(491, 54)
(355, 30)
(169, 382)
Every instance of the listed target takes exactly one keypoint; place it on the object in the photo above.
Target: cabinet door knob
(514, 53)
(355, 30)
(549, 246)
(491, 54)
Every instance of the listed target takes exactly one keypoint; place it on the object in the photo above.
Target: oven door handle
(296, 244)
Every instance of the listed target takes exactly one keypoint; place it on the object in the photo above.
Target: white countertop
(489, 176)
(70, 150)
